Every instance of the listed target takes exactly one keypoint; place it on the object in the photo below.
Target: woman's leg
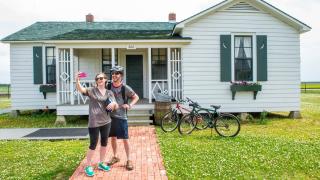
(94, 135)
(104, 134)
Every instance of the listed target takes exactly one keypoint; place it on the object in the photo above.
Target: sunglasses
(100, 78)
(116, 73)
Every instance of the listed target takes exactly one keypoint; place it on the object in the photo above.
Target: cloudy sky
(17, 14)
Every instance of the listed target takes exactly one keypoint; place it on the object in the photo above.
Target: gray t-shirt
(121, 112)
(98, 115)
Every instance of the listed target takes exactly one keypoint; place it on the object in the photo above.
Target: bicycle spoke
(169, 122)
(186, 125)
(203, 118)
(227, 125)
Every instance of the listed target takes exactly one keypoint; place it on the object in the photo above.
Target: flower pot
(246, 87)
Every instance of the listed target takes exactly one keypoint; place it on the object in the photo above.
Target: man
(119, 124)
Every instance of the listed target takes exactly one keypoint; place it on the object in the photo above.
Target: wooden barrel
(160, 108)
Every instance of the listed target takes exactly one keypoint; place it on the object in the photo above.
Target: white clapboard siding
(201, 62)
(25, 94)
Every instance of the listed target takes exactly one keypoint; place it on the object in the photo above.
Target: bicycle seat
(194, 104)
(215, 107)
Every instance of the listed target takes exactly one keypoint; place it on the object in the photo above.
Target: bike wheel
(169, 121)
(227, 125)
(186, 124)
(203, 118)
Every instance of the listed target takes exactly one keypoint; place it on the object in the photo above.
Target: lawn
(30, 119)
(40, 159)
(4, 89)
(5, 102)
(278, 149)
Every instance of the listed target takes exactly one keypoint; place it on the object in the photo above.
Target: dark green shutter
(225, 58)
(262, 65)
(37, 65)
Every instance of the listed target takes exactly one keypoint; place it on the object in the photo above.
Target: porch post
(169, 70)
(149, 74)
(57, 76)
(112, 57)
(71, 77)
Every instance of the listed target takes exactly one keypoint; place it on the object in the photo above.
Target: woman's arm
(78, 85)
(113, 105)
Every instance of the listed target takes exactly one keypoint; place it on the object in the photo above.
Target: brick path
(145, 153)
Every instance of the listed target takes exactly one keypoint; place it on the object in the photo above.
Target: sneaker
(89, 171)
(113, 161)
(129, 165)
(103, 167)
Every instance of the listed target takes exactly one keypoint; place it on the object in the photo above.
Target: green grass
(310, 86)
(5, 102)
(281, 148)
(278, 149)
(4, 89)
(40, 159)
(29, 119)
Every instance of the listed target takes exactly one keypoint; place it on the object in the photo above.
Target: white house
(235, 40)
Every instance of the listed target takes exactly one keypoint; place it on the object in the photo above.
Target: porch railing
(79, 98)
(159, 86)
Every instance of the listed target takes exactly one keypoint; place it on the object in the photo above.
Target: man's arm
(134, 100)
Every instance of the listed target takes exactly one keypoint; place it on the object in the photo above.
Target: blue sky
(17, 14)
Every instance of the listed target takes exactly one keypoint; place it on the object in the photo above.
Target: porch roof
(94, 31)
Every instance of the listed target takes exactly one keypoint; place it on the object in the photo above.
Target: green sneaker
(89, 171)
(103, 167)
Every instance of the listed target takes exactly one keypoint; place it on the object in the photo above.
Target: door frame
(142, 52)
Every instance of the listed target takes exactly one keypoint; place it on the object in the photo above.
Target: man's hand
(126, 106)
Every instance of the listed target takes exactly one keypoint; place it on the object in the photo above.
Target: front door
(134, 73)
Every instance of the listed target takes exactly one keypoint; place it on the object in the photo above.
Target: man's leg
(127, 148)
(114, 146)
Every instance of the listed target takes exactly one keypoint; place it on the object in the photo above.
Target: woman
(99, 118)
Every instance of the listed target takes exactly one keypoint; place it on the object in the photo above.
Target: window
(107, 60)
(159, 63)
(50, 65)
(243, 62)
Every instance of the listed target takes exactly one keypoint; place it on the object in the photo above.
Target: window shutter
(37, 65)
(262, 65)
(225, 58)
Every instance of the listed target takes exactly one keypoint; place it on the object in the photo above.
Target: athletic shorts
(119, 128)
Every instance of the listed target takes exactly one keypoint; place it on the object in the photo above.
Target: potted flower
(245, 86)
(46, 88)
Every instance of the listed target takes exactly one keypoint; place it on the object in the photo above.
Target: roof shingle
(94, 31)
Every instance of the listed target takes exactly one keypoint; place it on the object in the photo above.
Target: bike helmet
(117, 69)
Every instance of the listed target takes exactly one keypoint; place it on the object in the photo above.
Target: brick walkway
(145, 153)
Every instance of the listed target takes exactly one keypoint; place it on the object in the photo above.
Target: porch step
(140, 115)
(143, 111)
(139, 122)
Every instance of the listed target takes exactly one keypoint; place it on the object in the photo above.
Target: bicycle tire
(202, 122)
(169, 122)
(186, 124)
(227, 125)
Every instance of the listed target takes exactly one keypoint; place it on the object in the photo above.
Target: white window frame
(254, 55)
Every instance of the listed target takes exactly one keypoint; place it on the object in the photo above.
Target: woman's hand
(112, 106)
(76, 76)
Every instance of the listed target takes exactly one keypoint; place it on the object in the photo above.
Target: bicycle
(169, 122)
(225, 124)
(188, 122)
